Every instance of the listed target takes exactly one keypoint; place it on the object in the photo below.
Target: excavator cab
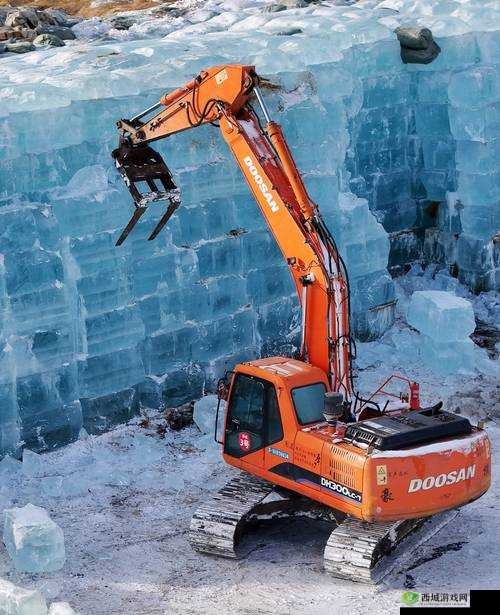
(281, 425)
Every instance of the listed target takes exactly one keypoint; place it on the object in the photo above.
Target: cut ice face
(440, 315)
(34, 542)
(15, 600)
(85, 327)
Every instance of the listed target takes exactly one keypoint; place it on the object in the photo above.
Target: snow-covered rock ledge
(401, 158)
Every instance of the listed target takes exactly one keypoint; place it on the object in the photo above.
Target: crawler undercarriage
(355, 550)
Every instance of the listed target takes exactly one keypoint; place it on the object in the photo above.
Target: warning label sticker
(381, 475)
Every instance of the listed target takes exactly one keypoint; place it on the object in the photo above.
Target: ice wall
(88, 331)
(425, 154)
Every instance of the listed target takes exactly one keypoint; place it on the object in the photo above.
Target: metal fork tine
(131, 223)
(164, 219)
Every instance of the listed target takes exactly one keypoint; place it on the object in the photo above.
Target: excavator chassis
(357, 551)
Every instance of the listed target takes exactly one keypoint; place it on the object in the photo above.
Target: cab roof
(294, 372)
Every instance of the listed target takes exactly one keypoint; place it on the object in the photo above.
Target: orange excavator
(383, 469)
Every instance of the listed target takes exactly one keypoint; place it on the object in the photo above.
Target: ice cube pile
(34, 542)
(445, 322)
(402, 159)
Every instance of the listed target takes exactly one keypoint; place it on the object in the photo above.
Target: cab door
(245, 422)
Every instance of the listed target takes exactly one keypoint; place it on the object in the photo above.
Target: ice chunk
(204, 413)
(449, 357)
(440, 315)
(33, 464)
(15, 600)
(83, 434)
(52, 486)
(9, 467)
(212, 450)
(34, 542)
(61, 608)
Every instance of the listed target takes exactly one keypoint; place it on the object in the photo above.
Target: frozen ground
(126, 524)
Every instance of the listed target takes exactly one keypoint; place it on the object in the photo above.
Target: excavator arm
(221, 96)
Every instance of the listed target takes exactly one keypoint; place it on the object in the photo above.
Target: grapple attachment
(141, 164)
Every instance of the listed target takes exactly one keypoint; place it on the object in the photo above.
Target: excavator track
(357, 551)
(367, 552)
(217, 524)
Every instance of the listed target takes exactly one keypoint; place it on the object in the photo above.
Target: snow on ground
(133, 492)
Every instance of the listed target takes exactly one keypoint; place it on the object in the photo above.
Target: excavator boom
(221, 95)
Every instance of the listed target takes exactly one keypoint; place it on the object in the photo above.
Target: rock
(46, 18)
(289, 32)
(48, 40)
(298, 4)
(33, 541)
(274, 8)
(180, 417)
(166, 9)
(2, 48)
(25, 34)
(121, 22)
(21, 47)
(65, 34)
(23, 18)
(7, 34)
(61, 18)
(4, 11)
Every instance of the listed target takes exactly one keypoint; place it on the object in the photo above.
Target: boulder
(121, 22)
(48, 40)
(274, 8)
(65, 34)
(4, 11)
(22, 18)
(61, 18)
(21, 47)
(46, 18)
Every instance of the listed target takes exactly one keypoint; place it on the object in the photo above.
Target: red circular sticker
(244, 441)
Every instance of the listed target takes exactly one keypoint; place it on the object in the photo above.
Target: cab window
(254, 411)
(309, 403)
